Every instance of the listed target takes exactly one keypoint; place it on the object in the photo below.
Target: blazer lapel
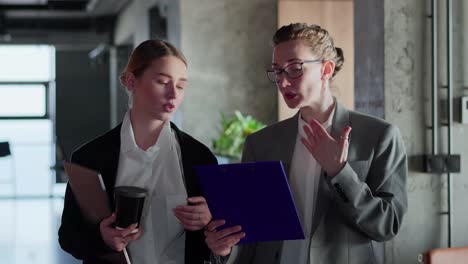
(110, 162)
(189, 178)
(340, 120)
(287, 139)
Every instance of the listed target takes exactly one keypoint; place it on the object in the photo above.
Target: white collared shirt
(304, 177)
(159, 171)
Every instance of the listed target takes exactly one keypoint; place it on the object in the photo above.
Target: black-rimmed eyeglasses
(292, 71)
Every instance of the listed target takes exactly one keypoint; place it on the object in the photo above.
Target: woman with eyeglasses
(349, 186)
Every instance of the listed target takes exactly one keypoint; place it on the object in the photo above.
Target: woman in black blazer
(155, 77)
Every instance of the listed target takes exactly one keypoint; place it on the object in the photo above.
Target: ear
(130, 81)
(327, 70)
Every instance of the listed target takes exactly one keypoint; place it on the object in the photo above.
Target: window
(27, 63)
(27, 75)
(18, 101)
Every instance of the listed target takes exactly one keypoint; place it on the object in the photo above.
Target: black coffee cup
(129, 203)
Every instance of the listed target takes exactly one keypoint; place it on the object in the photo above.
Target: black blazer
(83, 240)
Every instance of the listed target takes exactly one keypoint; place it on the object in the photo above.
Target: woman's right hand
(117, 239)
(221, 242)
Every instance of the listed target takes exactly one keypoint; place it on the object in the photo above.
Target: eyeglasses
(292, 71)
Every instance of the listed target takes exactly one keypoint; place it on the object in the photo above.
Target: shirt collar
(128, 142)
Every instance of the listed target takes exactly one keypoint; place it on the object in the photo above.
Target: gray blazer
(360, 209)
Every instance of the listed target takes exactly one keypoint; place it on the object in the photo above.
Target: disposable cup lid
(130, 191)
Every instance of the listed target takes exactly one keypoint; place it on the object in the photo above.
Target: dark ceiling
(59, 15)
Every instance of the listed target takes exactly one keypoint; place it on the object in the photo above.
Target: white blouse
(159, 171)
(304, 179)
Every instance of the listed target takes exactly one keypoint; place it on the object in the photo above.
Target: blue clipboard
(253, 195)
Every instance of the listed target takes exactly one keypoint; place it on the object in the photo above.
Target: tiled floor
(28, 232)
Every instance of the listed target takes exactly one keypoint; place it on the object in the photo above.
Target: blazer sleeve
(77, 236)
(377, 212)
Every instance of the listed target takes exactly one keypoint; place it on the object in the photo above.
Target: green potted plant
(234, 131)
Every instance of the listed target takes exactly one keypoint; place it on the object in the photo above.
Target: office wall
(228, 55)
(407, 104)
(227, 45)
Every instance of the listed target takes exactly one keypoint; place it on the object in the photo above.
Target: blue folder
(254, 195)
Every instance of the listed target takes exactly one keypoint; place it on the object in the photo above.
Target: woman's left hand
(194, 216)
(329, 153)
